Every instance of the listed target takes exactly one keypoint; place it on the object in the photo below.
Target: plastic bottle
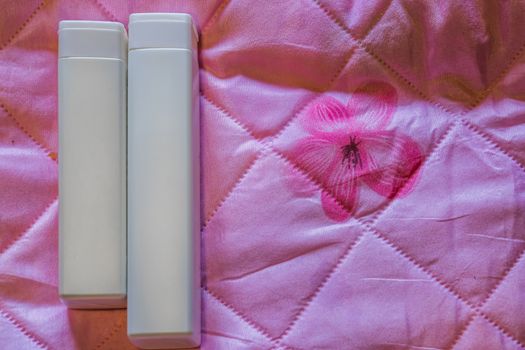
(163, 182)
(92, 164)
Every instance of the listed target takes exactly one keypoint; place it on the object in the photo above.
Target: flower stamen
(351, 154)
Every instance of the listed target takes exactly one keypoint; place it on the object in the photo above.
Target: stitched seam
(33, 223)
(348, 56)
(18, 325)
(337, 75)
(105, 11)
(240, 315)
(286, 347)
(310, 299)
(489, 139)
(25, 24)
(214, 16)
(437, 280)
(424, 162)
(50, 154)
(408, 258)
(374, 220)
(334, 79)
(506, 273)
(259, 155)
(118, 325)
(416, 264)
(484, 94)
(294, 115)
(503, 330)
(235, 120)
(296, 112)
(458, 337)
(342, 25)
(400, 78)
(281, 347)
(360, 43)
(269, 146)
(377, 20)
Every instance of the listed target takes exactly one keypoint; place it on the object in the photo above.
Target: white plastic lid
(92, 39)
(162, 30)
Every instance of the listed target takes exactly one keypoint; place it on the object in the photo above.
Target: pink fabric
(363, 175)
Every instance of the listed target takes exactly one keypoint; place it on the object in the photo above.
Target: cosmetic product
(163, 182)
(92, 164)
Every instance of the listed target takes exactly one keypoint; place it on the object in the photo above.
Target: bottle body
(92, 182)
(163, 198)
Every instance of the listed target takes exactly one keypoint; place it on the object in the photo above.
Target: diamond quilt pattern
(507, 301)
(275, 44)
(481, 230)
(363, 175)
(373, 300)
(481, 334)
(236, 141)
(428, 50)
(236, 260)
(501, 113)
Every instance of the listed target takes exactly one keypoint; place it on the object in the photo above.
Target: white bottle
(163, 182)
(92, 164)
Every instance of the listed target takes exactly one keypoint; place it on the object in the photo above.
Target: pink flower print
(348, 146)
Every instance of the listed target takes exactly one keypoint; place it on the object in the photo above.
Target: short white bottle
(163, 182)
(92, 164)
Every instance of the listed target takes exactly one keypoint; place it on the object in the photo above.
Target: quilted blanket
(363, 174)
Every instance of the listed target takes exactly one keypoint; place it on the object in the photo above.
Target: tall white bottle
(163, 182)
(92, 164)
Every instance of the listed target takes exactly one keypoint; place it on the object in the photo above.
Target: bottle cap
(162, 30)
(92, 39)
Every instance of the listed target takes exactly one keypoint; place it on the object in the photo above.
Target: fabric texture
(363, 174)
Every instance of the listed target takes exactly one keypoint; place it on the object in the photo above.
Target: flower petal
(317, 155)
(326, 114)
(323, 159)
(341, 185)
(391, 161)
(372, 105)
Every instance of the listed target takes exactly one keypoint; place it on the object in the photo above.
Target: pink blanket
(363, 175)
